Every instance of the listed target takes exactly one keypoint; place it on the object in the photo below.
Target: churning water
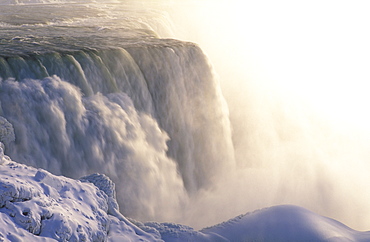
(91, 88)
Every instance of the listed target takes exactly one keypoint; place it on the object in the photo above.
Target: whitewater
(96, 87)
(115, 99)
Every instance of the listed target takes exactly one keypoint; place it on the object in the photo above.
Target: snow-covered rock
(50, 206)
(36, 205)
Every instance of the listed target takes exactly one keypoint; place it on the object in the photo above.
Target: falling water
(114, 99)
(99, 87)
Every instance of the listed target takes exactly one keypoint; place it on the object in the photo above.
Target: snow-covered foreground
(36, 205)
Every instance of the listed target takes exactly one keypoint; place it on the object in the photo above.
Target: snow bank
(285, 223)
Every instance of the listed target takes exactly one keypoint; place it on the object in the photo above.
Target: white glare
(296, 77)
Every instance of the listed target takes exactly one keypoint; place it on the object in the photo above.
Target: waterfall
(147, 112)
(95, 86)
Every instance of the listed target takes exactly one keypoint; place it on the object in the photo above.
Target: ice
(6, 131)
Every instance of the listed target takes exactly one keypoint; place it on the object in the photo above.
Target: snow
(285, 223)
(36, 205)
(6, 131)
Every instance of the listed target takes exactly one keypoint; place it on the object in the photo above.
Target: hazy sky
(318, 50)
(285, 66)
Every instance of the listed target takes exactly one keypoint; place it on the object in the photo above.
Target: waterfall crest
(150, 116)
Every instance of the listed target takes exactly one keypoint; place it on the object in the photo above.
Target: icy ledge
(36, 205)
